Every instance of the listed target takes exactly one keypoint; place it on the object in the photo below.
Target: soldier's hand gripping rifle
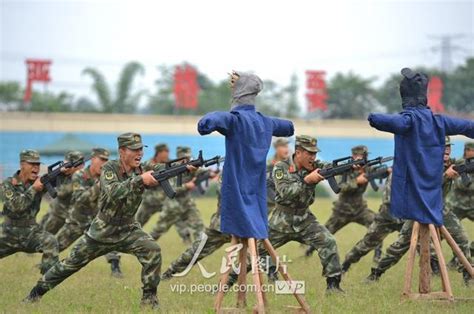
(177, 170)
(205, 176)
(464, 169)
(55, 170)
(377, 173)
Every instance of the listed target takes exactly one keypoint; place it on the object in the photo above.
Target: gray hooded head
(245, 89)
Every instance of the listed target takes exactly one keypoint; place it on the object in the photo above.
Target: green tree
(459, 89)
(125, 101)
(11, 94)
(49, 102)
(292, 107)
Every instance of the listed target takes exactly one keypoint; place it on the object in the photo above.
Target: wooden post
(442, 263)
(242, 281)
(462, 258)
(224, 278)
(255, 273)
(425, 267)
(411, 258)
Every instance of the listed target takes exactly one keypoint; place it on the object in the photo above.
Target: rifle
(344, 165)
(163, 176)
(377, 173)
(464, 169)
(204, 178)
(54, 171)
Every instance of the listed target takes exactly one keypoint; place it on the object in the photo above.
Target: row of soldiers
(107, 198)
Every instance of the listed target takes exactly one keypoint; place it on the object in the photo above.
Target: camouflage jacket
(182, 193)
(85, 197)
(384, 209)
(119, 199)
(293, 198)
(270, 183)
(461, 196)
(21, 201)
(61, 205)
(351, 193)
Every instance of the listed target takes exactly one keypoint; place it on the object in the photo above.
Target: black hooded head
(414, 88)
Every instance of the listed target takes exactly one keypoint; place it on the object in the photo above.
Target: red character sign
(37, 71)
(435, 94)
(316, 95)
(186, 88)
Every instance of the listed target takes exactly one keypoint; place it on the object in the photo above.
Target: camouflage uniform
(19, 231)
(113, 229)
(397, 249)
(215, 240)
(383, 224)
(184, 210)
(271, 193)
(60, 206)
(292, 219)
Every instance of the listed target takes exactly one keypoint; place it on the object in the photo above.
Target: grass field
(94, 290)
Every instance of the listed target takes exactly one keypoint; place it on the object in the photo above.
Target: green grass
(94, 290)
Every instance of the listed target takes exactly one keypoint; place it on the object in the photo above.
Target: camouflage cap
(101, 153)
(73, 156)
(307, 143)
(447, 141)
(469, 145)
(183, 151)
(281, 141)
(161, 147)
(360, 150)
(130, 140)
(31, 156)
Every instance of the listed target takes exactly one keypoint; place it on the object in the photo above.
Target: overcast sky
(272, 38)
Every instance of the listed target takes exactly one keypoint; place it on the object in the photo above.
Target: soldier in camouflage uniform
(282, 152)
(60, 206)
(460, 200)
(122, 184)
(351, 205)
(397, 249)
(156, 201)
(85, 196)
(383, 224)
(22, 195)
(215, 240)
(187, 210)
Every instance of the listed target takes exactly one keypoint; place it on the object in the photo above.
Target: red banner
(316, 94)
(435, 94)
(186, 88)
(37, 71)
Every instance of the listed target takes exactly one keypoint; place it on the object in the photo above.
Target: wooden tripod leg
(256, 277)
(425, 267)
(224, 277)
(457, 250)
(301, 300)
(242, 280)
(260, 274)
(411, 258)
(442, 263)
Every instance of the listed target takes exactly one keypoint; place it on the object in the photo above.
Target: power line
(446, 48)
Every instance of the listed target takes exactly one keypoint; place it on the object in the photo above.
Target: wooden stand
(421, 234)
(250, 245)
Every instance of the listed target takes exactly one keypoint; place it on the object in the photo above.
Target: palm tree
(125, 101)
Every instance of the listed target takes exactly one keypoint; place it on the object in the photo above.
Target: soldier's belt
(290, 210)
(19, 222)
(116, 221)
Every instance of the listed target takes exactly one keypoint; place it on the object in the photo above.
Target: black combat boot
(453, 263)
(374, 276)
(115, 267)
(434, 266)
(309, 252)
(149, 299)
(467, 278)
(333, 284)
(35, 294)
(377, 254)
(345, 267)
(272, 274)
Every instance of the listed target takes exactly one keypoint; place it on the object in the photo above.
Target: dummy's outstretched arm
(393, 123)
(455, 126)
(282, 127)
(216, 121)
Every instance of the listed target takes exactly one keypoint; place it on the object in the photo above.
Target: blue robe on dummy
(248, 135)
(418, 166)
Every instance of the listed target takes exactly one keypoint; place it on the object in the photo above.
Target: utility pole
(446, 48)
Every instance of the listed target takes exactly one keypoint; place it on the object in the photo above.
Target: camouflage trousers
(138, 243)
(341, 216)
(52, 223)
(463, 213)
(380, 228)
(215, 240)
(186, 212)
(29, 240)
(70, 232)
(314, 235)
(397, 249)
